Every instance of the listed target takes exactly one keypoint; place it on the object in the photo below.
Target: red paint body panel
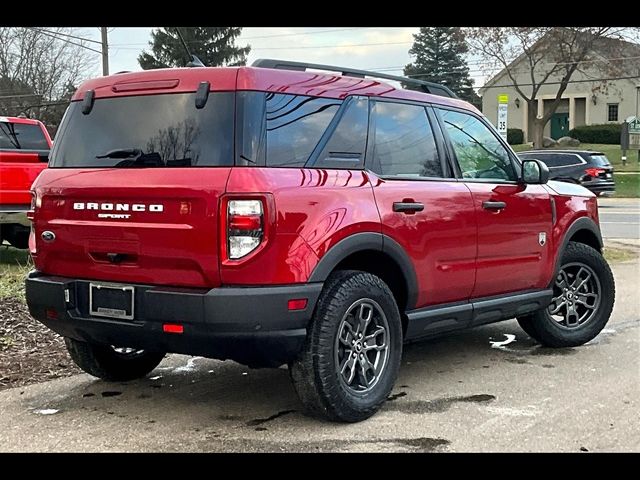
(510, 257)
(458, 249)
(315, 209)
(441, 240)
(175, 247)
(18, 169)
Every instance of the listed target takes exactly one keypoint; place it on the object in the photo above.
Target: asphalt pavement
(619, 217)
(487, 389)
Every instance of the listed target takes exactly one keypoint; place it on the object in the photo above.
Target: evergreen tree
(215, 46)
(439, 57)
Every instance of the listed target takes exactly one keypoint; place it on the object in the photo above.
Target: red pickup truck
(24, 153)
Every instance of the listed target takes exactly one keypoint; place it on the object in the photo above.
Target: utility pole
(105, 51)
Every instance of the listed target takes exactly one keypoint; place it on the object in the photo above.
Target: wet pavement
(487, 389)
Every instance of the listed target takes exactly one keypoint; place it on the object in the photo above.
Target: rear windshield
(148, 131)
(20, 136)
(600, 160)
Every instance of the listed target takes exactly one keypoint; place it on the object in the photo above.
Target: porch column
(540, 108)
(525, 121)
(572, 113)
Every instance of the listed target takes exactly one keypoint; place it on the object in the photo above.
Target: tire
(348, 297)
(552, 331)
(105, 362)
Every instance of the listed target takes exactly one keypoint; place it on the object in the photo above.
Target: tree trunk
(538, 133)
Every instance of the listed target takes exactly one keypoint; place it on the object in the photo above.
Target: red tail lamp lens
(51, 313)
(172, 328)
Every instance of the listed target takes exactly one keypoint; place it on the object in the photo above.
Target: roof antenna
(195, 61)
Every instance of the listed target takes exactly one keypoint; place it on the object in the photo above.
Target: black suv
(590, 169)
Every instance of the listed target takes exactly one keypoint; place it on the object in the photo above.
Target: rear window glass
(20, 136)
(600, 160)
(148, 131)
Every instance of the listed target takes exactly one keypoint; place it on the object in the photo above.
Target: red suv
(24, 152)
(277, 215)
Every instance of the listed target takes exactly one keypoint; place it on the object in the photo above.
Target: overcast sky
(370, 48)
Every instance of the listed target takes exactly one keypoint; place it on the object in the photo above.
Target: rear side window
(600, 160)
(555, 160)
(148, 131)
(404, 142)
(346, 146)
(294, 126)
(21, 136)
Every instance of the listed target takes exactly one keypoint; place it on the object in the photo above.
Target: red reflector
(245, 222)
(172, 328)
(594, 172)
(30, 214)
(297, 304)
(51, 313)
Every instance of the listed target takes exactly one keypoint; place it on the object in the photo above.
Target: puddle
(111, 393)
(396, 396)
(438, 405)
(424, 444)
(260, 421)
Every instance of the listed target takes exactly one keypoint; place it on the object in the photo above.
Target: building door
(559, 125)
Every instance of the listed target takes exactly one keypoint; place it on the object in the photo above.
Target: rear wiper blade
(121, 153)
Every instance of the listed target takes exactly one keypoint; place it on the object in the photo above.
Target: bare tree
(551, 55)
(38, 70)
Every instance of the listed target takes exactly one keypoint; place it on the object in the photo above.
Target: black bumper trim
(251, 325)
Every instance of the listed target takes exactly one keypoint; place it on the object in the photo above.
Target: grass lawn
(626, 185)
(14, 266)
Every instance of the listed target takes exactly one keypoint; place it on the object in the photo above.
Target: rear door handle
(493, 205)
(408, 207)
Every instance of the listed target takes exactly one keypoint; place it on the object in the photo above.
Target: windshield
(600, 160)
(148, 131)
(21, 136)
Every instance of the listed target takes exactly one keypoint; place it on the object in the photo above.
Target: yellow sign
(503, 98)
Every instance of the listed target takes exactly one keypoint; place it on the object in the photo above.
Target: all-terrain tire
(104, 362)
(541, 326)
(316, 375)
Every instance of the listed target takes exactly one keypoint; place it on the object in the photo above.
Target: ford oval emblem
(48, 236)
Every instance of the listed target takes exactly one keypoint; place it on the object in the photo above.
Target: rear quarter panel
(315, 209)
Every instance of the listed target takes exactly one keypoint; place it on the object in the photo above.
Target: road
(456, 393)
(619, 217)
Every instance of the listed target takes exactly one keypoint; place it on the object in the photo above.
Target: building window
(612, 112)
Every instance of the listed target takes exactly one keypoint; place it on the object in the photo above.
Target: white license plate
(608, 175)
(111, 301)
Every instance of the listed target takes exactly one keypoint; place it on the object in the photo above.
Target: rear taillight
(244, 227)
(594, 172)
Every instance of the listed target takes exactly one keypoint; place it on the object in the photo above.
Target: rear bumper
(250, 325)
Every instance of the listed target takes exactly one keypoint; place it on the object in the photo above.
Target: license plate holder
(111, 301)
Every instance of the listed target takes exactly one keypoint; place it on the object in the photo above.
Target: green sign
(634, 125)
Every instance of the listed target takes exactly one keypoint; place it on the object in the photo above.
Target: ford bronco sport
(24, 153)
(276, 215)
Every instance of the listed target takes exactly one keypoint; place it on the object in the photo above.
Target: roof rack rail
(427, 87)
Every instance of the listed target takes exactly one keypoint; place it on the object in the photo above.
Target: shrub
(515, 136)
(608, 133)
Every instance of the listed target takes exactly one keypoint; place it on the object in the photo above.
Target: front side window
(294, 126)
(479, 153)
(404, 142)
(612, 112)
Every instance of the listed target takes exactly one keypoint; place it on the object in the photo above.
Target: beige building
(585, 101)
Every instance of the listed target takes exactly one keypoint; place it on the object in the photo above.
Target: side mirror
(534, 172)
